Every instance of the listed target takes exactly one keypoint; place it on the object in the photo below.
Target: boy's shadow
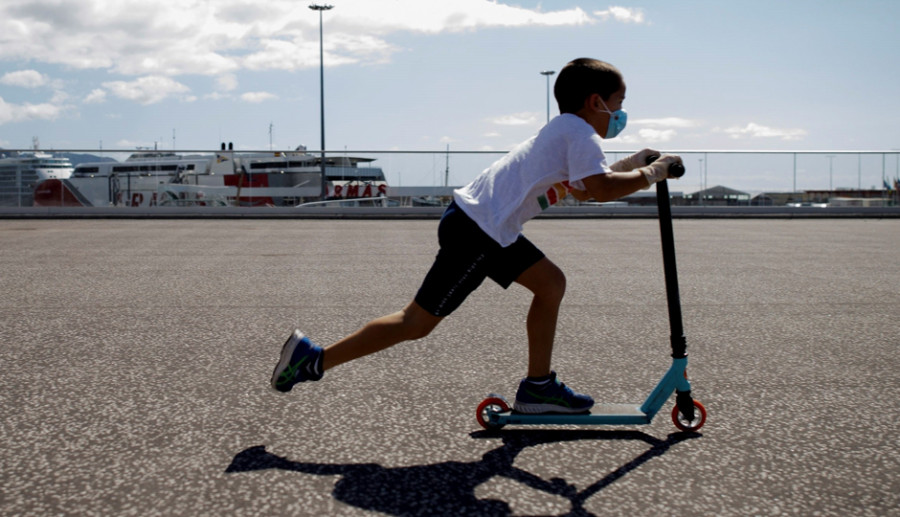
(449, 487)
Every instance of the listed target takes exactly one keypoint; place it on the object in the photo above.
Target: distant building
(838, 197)
(648, 198)
(717, 196)
(824, 196)
(778, 198)
(860, 201)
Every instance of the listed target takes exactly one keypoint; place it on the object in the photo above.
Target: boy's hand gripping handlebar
(676, 169)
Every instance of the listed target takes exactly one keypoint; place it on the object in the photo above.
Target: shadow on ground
(449, 487)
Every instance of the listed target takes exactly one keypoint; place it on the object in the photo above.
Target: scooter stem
(679, 343)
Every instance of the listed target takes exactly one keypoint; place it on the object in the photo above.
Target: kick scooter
(687, 415)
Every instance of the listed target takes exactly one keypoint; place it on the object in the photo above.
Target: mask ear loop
(605, 107)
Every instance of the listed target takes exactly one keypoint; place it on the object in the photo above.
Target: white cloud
(24, 78)
(622, 14)
(257, 97)
(754, 130)
(656, 135)
(656, 130)
(147, 90)
(127, 36)
(648, 136)
(59, 97)
(97, 96)
(434, 16)
(153, 43)
(174, 37)
(27, 111)
(217, 96)
(226, 82)
(516, 119)
(665, 122)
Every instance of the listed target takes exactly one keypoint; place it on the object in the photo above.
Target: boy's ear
(593, 102)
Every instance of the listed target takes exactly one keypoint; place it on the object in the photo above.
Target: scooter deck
(601, 414)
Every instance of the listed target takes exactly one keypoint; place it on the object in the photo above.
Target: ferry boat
(20, 172)
(227, 178)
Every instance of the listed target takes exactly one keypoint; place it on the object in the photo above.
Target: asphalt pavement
(136, 355)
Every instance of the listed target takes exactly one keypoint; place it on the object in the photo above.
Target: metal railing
(765, 176)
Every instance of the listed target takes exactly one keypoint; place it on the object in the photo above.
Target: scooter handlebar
(676, 170)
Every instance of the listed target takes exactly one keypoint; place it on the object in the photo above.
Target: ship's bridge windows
(279, 165)
(145, 169)
(81, 172)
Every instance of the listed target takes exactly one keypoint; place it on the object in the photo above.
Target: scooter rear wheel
(690, 425)
(486, 408)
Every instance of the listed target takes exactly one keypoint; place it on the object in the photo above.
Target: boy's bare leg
(412, 322)
(548, 283)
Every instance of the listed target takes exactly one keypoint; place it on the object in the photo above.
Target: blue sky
(420, 74)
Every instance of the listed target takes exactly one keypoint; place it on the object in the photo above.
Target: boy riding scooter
(480, 236)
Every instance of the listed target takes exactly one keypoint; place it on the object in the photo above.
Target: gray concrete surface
(136, 355)
(418, 212)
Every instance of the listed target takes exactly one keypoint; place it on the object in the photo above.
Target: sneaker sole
(534, 409)
(287, 351)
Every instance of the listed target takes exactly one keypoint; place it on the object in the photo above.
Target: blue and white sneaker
(301, 360)
(550, 396)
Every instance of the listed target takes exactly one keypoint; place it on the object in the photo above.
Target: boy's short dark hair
(581, 78)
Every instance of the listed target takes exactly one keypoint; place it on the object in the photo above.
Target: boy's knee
(553, 285)
(419, 330)
(557, 284)
(419, 323)
(546, 281)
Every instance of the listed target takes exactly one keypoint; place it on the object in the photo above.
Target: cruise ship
(226, 178)
(20, 172)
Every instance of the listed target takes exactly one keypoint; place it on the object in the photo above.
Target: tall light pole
(702, 187)
(547, 74)
(830, 171)
(320, 8)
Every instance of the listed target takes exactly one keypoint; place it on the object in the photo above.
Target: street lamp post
(830, 171)
(320, 8)
(547, 74)
(702, 186)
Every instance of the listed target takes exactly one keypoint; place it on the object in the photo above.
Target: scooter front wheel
(690, 425)
(486, 408)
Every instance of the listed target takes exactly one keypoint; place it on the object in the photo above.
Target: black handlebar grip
(676, 170)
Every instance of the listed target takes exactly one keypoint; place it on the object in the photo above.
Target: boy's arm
(615, 185)
(635, 161)
(580, 195)
(612, 185)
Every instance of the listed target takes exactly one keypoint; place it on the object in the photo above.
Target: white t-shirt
(535, 175)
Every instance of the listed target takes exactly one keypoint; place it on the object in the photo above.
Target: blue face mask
(617, 121)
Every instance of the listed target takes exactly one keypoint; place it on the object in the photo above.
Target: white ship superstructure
(20, 172)
(224, 178)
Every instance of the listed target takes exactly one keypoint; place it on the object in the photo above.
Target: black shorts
(468, 256)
